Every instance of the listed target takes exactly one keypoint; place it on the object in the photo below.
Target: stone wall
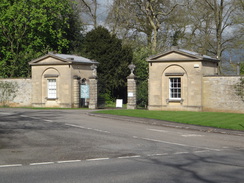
(219, 94)
(23, 92)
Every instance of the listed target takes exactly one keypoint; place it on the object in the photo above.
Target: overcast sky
(103, 9)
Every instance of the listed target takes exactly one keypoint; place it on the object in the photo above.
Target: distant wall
(219, 94)
(23, 92)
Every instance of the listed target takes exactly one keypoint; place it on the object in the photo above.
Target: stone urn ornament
(132, 68)
(94, 70)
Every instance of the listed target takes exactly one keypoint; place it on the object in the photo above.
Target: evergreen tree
(242, 68)
(141, 72)
(113, 58)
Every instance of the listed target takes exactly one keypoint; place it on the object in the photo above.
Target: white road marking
(24, 116)
(75, 126)
(173, 143)
(192, 135)
(13, 165)
(102, 159)
(161, 141)
(42, 163)
(98, 159)
(100, 131)
(86, 128)
(5, 113)
(181, 152)
(164, 154)
(46, 120)
(156, 130)
(201, 151)
(126, 157)
(69, 161)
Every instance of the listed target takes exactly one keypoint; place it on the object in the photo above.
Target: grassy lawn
(212, 119)
(45, 108)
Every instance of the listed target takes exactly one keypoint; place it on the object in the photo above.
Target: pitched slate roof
(191, 54)
(74, 58)
(197, 54)
(65, 59)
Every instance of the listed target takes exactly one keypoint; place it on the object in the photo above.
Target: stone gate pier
(131, 88)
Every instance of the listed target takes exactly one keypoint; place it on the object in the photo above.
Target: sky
(103, 10)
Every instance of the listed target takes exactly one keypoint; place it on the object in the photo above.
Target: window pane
(51, 90)
(175, 88)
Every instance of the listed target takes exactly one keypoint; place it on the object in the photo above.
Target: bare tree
(212, 26)
(196, 27)
(141, 17)
(241, 2)
(89, 10)
(207, 26)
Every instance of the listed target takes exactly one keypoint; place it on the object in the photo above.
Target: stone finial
(132, 68)
(94, 70)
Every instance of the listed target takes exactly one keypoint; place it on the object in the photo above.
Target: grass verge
(45, 108)
(231, 121)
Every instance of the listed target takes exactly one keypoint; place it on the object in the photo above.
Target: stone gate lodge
(178, 80)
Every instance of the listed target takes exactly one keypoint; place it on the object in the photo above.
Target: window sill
(51, 98)
(180, 100)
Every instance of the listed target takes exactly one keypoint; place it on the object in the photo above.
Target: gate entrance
(84, 93)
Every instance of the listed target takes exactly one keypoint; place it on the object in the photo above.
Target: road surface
(72, 146)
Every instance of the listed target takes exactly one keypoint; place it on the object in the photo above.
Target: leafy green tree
(139, 59)
(113, 58)
(29, 29)
(242, 68)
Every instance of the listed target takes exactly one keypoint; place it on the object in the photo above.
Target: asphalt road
(72, 146)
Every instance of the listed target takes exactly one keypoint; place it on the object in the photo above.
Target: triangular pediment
(174, 56)
(49, 60)
(178, 55)
(61, 59)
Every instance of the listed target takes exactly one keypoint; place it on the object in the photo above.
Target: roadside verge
(156, 122)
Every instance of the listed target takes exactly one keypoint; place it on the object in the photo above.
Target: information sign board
(119, 103)
(84, 91)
